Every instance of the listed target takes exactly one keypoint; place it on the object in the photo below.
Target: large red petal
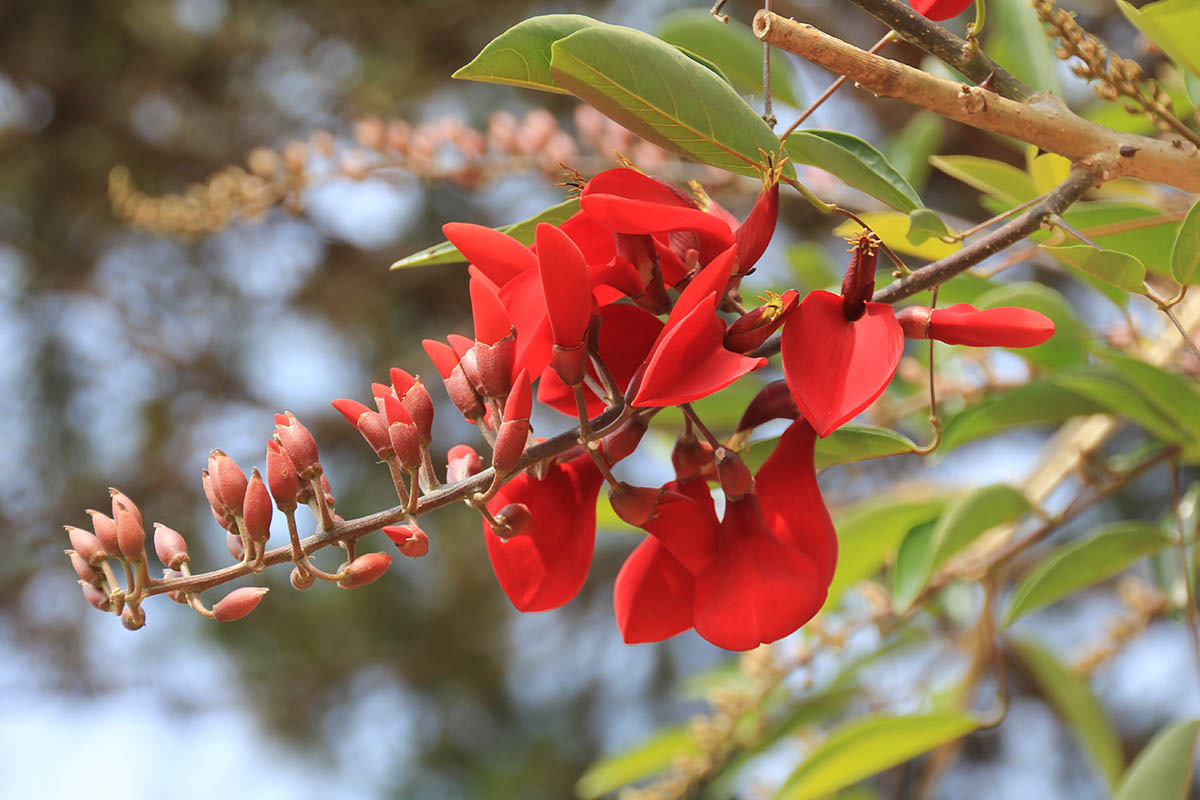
(834, 367)
(792, 506)
(691, 362)
(1007, 326)
(491, 319)
(653, 595)
(565, 285)
(594, 240)
(498, 255)
(756, 589)
(526, 307)
(545, 567)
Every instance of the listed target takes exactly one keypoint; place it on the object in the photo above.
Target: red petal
(522, 298)
(792, 506)
(491, 320)
(690, 362)
(755, 233)
(593, 240)
(546, 567)
(940, 9)
(834, 367)
(1007, 326)
(442, 356)
(497, 255)
(565, 285)
(520, 401)
(686, 527)
(757, 589)
(626, 201)
(713, 279)
(624, 340)
(653, 595)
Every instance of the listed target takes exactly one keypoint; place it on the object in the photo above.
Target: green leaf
(857, 163)
(1150, 244)
(911, 569)
(910, 149)
(858, 443)
(662, 95)
(731, 47)
(1083, 563)
(866, 746)
(651, 756)
(892, 228)
(1078, 707)
(521, 55)
(1185, 255)
(1111, 266)
(1004, 182)
(924, 224)
(964, 519)
(1163, 770)
(1175, 397)
(523, 232)
(1045, 402)
(1068, 346)
(1172, 25)
(869, 533)
(1113, 392)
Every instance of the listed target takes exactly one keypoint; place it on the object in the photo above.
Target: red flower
(964, 324)
(689, 359)
(756, 575)
(545, 567)
(940, 9)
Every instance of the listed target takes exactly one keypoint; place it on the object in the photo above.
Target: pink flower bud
(82, 568)
(87, 545)
(120, 497)
(131, 537)
(170, 546)
(514, 431)
(298, 443)
(409, 539)
(991, 327)
(494, 364)
(691, 458)
(365, 569)
(735, 477)
(461, 463)
(419, 404)
(238, 603)
(282, 478)
(220, 511)
(228, 480)
(95, 596)
(515, 519)
(235, 546)
(106, 532)
(257, 509)
(369, 423)
(133, 618)
(458, 385)
(177, 596)
(914, 321)
(621, 443)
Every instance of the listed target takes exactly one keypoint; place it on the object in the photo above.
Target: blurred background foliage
(127, 355)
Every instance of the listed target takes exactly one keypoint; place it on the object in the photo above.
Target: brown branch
(1042, 120)
(354, 529)
(945, 46)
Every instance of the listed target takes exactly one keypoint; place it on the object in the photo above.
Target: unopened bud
(176, 595)
(755, 327)
(735, 477)
(301, 579)
(773, 401)
(238, 603)
(635, 505)
(120, 497)
(282, 478)
(914, 321)
(87, 545)
(990, 327)
(220, 511)
(228, 480)
(170, 546)
(235, 545)
(106, 532)
(462, 462)
(298, 443)
(82, 568)
(621, 443)
(131, 537)
(257, 509)
(95, 596)
(691, 457)
(369, 423)
(419, 404)
(515, 519)
(365, 569)
(133, 618)
(409, 539)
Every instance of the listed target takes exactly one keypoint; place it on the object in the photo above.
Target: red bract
(939, 9)
(689, 360)
(282, 479)
(545, 566)
(756, 326)
(991, 327)
(565, 285)
(298, 443)
(835, 368)
(753, 235)
(369, 423)
(497, 255)
(514, 430)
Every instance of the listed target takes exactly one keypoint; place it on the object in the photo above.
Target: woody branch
(1043, 120)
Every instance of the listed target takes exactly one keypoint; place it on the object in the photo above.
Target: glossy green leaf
(1045, 402)
(732, 48)
(523, 232)
(1163, 770)
(1111, 266)
(910, 149)
(869, 533)
(1078, 707)
(858, 443)
(1174, 396)
(1083, 563)
(964, 519)
(1068, 346)
(651, 756)
(521, 55)
(657, 92)
(866, 746)
(1004, 182)
(892, 228)
(924, 224)
(1185, 254)
(1172, 25)
(1113, 392)
(857, 163)
(1151, 244)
